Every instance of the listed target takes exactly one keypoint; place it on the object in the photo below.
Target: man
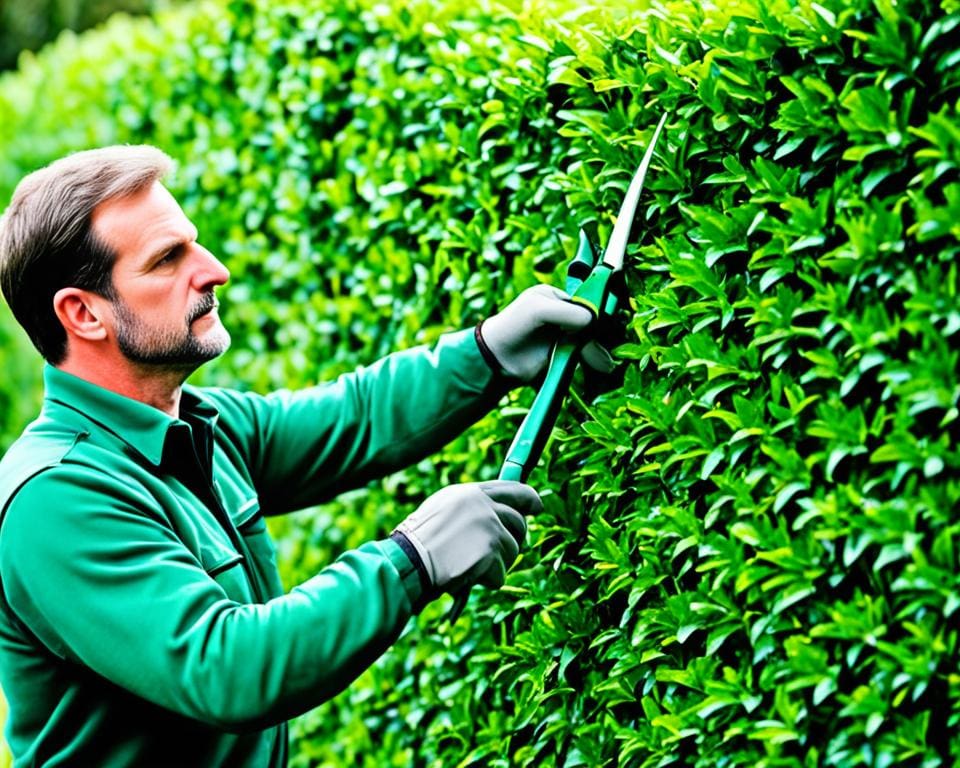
(142, 621)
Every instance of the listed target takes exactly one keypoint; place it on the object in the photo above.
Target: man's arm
(91, 567)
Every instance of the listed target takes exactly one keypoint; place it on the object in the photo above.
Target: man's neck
(158, 387)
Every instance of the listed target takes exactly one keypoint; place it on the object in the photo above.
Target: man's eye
(168, 257)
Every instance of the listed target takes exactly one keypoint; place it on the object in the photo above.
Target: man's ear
(79, 312)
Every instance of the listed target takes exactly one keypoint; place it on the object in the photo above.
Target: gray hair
(46, 240)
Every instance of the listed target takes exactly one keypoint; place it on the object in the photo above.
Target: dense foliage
(749, 554)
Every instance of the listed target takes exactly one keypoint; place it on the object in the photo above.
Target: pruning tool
(589, 284)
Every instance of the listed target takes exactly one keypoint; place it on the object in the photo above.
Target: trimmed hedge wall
(749, 554)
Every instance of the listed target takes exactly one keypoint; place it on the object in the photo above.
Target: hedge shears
(590, 284)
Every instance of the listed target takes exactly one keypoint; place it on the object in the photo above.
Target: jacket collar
(143, 427)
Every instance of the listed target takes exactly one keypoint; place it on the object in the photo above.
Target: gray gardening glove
(520, 337)
(470, 533)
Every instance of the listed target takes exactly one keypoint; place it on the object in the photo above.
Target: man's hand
(521, 336)
(470, 533)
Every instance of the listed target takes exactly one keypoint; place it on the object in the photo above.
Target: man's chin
(216, 340)
(210, 343)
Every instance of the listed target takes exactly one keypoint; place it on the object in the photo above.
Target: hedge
(748, 555)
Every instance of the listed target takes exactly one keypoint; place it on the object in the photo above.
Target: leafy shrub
(748, 554)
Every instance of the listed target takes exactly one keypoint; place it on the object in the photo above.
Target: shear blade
(617, 245)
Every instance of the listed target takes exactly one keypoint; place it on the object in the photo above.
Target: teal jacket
(142, 620)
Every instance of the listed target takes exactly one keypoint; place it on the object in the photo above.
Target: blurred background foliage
(748, 555)
(27, 25)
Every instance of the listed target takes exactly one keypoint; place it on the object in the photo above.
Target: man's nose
(210, 271)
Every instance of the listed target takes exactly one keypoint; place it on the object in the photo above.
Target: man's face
(164, 310)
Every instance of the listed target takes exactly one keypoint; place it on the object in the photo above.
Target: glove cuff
(411, 552)
(486, 353)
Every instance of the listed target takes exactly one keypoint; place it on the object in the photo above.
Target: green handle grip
(532, 436)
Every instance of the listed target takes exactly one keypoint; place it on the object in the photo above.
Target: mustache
(207, 302)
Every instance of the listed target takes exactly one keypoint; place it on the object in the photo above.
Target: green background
(748, 555)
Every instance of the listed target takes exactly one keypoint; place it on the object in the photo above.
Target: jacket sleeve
(115, 591)
(306, 446)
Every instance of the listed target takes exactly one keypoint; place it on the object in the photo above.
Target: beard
(169, 348)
